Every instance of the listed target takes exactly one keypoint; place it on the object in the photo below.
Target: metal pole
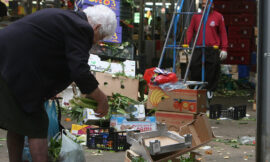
(194, 43)
(38, 4)
(168, 34)
(141, 42)
(154, 13)
(263, 86)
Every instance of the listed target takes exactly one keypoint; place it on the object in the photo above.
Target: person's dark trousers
(212, 67)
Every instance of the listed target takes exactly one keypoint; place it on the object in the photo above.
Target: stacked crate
(240, 20)
(176, 107)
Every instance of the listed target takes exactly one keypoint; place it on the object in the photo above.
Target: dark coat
(41, 54)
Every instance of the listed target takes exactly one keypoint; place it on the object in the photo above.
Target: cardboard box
(174, 120)
(255, 31)
(127, 66)
(253, 77)
(122, 124)
(140, 112)
(125, 86)
(178, 100)
(235, 76)
(79, 129)
(89, 116)
(201, 134)
(234, 69)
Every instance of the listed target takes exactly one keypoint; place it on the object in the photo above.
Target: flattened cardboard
(201, 134)
(200, 129)
(174, 120)
(179, 100)
(123, 85)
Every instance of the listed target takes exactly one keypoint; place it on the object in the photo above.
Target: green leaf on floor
(235, 146)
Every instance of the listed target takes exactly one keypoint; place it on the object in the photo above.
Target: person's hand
(223, 55)
(187, 51)
(102, 108)
(101, 98)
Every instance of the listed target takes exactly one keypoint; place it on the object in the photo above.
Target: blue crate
(243, 71)
(253, 58)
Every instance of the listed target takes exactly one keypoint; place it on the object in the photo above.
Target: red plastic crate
(244, 44)
(248, 20)
(223, 6)
(253, 45)
(235, 19)
(238, 58)
(236, 7)
(233, 45)
(238, 44)
(248, 7)
(253, 68)
(243, 20)
(226, 19)
(239, 31)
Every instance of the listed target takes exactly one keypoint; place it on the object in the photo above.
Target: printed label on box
(121, 124)
(96, 64)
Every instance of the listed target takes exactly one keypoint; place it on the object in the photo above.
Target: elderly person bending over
(41, 54)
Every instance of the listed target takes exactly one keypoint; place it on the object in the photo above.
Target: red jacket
(215, 32)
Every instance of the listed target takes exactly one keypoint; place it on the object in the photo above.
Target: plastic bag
(159, 76)
(53, 128)
(53, 120)
(26, 151)
(161, 79)
(70, 150)
(245, 140)
(148, 74)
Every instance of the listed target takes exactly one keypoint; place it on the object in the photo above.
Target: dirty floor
(224, 148)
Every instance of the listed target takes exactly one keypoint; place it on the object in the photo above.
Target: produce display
(54, 149)
(231, 87)
(118, 104)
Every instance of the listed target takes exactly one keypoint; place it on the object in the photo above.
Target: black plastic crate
(236, 112)
(215, 111)
(106, 139)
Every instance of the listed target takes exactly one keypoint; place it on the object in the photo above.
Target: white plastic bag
(70, 150)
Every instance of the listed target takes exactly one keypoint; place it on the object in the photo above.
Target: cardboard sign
(112, 4)
(115, 6)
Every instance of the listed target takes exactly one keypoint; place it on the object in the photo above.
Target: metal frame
(175, 19)
(263, 86)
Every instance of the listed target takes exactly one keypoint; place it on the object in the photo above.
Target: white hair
(103, 15)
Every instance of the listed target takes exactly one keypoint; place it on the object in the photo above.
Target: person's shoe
(210, 94)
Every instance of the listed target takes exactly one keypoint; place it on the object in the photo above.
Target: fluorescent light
(157, 4)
